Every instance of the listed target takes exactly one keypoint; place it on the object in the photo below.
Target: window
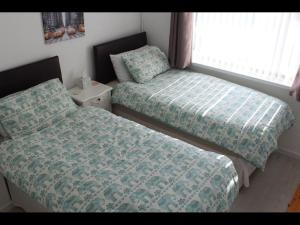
(261, 45)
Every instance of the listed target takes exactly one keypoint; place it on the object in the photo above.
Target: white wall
(157, 26)
(21, 41)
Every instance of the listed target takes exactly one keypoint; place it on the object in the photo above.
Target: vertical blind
(261, 45)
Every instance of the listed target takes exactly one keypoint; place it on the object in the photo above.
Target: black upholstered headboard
(103, 66)
(26, 76)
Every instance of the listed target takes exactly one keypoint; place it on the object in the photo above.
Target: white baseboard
(289, 153)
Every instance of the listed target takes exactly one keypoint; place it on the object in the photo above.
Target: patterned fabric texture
(2, 132)
(94, 161)
(143, 65)
(31, 110)
(120, 68)
(240, 119)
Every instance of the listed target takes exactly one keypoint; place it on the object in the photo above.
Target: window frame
(229, 74)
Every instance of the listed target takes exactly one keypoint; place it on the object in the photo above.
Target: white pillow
(120, 68)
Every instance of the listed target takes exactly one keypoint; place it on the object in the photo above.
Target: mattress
(94, 161)
(240, 119)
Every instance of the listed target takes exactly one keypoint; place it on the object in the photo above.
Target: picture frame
(62, 26)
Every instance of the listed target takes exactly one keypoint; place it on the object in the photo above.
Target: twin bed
(205, 111)
(90, 160)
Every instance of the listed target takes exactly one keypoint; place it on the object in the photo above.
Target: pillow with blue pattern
(145, 64)
(38, 107)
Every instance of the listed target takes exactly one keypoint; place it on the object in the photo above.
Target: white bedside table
(98, 95)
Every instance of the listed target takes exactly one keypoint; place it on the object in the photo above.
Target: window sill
(223, 74)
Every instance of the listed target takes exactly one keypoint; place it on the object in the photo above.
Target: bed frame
(26, 76)
(103, 66)
(18, 79)
(105, 74)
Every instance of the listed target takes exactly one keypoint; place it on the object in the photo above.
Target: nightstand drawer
(103, 101)
(97, 95)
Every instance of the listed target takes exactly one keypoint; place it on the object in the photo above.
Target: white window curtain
(261, 45)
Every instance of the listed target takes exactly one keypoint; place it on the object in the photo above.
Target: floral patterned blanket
(240, 119)
(94, 161)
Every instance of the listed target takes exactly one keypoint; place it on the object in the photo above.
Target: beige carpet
(271, 190)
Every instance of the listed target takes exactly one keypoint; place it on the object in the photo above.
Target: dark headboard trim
(26, 76)
(103, 66)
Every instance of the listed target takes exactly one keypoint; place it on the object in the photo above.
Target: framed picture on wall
(61, 26)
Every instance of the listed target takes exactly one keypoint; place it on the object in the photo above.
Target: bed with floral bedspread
(240, 119)
(94, 161)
